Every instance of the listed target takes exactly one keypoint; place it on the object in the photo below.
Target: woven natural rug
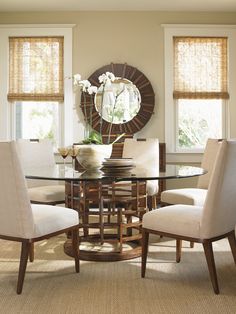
(52, 286)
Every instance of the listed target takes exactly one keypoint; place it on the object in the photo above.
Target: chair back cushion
(219, 212)
(208, 161)
(15, 209)
(144, 152)
(36, 154)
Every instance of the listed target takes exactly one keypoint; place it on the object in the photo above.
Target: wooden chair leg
(191, 245)
(232, 243)
(178, 250)
(101, 220)
(149, 202)
(25, 249)
(145, 237)
(75, 246)
(31, 252)
(154, 202)
(211, 265)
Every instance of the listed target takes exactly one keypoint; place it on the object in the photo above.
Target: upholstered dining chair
(22, 222)
(195, 196)
(40, 154)
(212, 222)
(145, 153)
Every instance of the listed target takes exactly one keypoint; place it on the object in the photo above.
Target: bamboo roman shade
(36, 69)
(200, 68)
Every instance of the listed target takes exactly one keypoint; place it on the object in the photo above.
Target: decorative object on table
(91, 156)
(109, 98)
(73, 152)
(63, 151)
(117, 166)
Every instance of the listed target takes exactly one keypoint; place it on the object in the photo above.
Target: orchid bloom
(92, 90)
(85, 84)
(106, 78)
(108, 96)
(77, 79)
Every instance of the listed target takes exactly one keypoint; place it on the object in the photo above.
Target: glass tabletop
(67, 173)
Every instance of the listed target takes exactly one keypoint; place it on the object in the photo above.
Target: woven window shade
(36, 69)
(200, 68)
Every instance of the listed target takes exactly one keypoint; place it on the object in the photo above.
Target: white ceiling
(118, 5)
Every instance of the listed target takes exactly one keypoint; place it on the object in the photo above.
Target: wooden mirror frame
(147, 99)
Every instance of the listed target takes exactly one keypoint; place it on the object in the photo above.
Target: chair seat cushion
(47, 193)
(191, 196)
(49, 219)
(175, 219)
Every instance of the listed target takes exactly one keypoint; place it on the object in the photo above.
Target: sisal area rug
(52, 286)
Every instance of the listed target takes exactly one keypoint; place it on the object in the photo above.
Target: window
(198, 120)
(37, 120)
(200, 86)
(199, 76)
(36, 101)
(36, 85)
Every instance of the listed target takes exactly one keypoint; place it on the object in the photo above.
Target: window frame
(171, 116)
(195, 150)
(7, 109)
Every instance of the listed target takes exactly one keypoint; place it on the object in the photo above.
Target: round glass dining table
(110, 206)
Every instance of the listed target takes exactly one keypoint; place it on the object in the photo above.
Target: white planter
(91, 156)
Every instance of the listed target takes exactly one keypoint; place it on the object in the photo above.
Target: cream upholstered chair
(145, 153)
(20, 221)
(40, 154)
(212, 222)
(195, 196)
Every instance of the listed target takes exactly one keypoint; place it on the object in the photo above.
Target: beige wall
(133, 37)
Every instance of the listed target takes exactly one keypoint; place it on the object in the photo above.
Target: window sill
(179, 157)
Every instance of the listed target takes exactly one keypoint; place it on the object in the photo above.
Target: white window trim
(6, 110)
(171, 30)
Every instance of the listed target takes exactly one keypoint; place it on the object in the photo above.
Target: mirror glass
(119, 102)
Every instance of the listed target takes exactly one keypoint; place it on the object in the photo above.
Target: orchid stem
(112, 118)
(101, 109)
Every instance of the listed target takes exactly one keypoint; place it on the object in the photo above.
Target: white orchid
(92, 90)
(111, 76)
(106, 78)
(76, 79)
(85, 84)
(106, 91)
(102, 78)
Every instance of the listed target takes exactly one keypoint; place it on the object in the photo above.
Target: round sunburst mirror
(133, 104)
(119, 103)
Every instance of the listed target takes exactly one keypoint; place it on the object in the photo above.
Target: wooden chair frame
(207, 245)
(26, 251)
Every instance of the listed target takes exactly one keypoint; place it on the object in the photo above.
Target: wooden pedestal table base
(117, 209)
(106, 252)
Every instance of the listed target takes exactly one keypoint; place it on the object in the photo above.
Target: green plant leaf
(94, 138)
